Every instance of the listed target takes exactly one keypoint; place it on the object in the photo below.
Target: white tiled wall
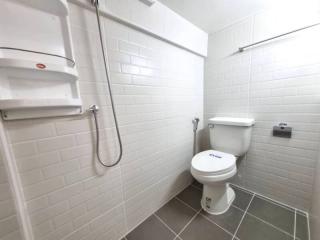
(158, 89)
(275, 82)
(9, 224)
(157, 19)
(161, 20)
(315, 209)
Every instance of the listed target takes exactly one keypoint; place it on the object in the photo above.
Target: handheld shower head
(195, 122)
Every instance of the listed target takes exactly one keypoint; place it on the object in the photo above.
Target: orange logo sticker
(41, 65)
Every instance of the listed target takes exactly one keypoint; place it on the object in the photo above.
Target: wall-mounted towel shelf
(38, 103)
(13, 109)
(40, 70)
(38, 76)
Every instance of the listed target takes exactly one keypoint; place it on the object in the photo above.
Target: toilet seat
(214, 169)
(213, 163)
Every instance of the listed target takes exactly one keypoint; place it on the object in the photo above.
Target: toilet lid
(213, 162)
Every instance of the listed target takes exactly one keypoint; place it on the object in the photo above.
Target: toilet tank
(231, 135)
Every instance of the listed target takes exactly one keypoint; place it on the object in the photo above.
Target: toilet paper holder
(282, 130)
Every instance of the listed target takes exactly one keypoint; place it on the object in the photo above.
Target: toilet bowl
(229, 137)
(213, 169)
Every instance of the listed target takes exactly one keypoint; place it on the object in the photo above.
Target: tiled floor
(251, 217)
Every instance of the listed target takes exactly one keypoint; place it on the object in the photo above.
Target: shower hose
(94, 108)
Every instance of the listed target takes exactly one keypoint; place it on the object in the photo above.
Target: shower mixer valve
(93, 108)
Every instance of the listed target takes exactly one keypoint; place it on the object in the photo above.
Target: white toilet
(230, 138)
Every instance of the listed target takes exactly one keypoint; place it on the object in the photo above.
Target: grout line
(271, 225)
(204, 215)
(235, 233)
(216, 224)
(268, 199)
(277, 203)
(241, 188)
(194, 186)
(280, 204)
(123, 199)
(238, 208)
(188, 223)
(140, 222)
(250, 80)
(295, 225)
(132, 26)
(165, 224)
(92, 220)
(186, 204)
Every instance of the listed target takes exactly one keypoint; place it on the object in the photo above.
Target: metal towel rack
(241, 49)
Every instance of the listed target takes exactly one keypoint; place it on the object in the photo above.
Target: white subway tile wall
(315, 209)
(160, 20)
(9, 224)
(275, 82)
(158, 89)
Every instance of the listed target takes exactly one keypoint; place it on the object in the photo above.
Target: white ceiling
(212, 15)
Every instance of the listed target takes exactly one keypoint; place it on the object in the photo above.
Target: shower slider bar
(38, 52)
(241, 49)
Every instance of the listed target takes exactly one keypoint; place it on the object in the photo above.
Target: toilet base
(217, 198)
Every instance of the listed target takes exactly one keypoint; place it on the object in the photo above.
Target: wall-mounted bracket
(282, 130)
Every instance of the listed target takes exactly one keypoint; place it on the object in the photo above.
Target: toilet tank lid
(245, 122)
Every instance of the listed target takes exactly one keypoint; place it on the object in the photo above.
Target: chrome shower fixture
(195, 122)
(94, 108)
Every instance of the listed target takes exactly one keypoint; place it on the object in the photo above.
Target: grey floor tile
(191, 196)
(242, 198)
(252, 228)
(302, 231)
(272, 213)
(202, 229)
(229, 220)
(175, 214)
(152, 228)
(197, 184)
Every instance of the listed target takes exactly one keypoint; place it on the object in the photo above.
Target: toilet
(230, 138)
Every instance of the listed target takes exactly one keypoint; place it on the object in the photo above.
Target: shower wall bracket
(38, 76)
